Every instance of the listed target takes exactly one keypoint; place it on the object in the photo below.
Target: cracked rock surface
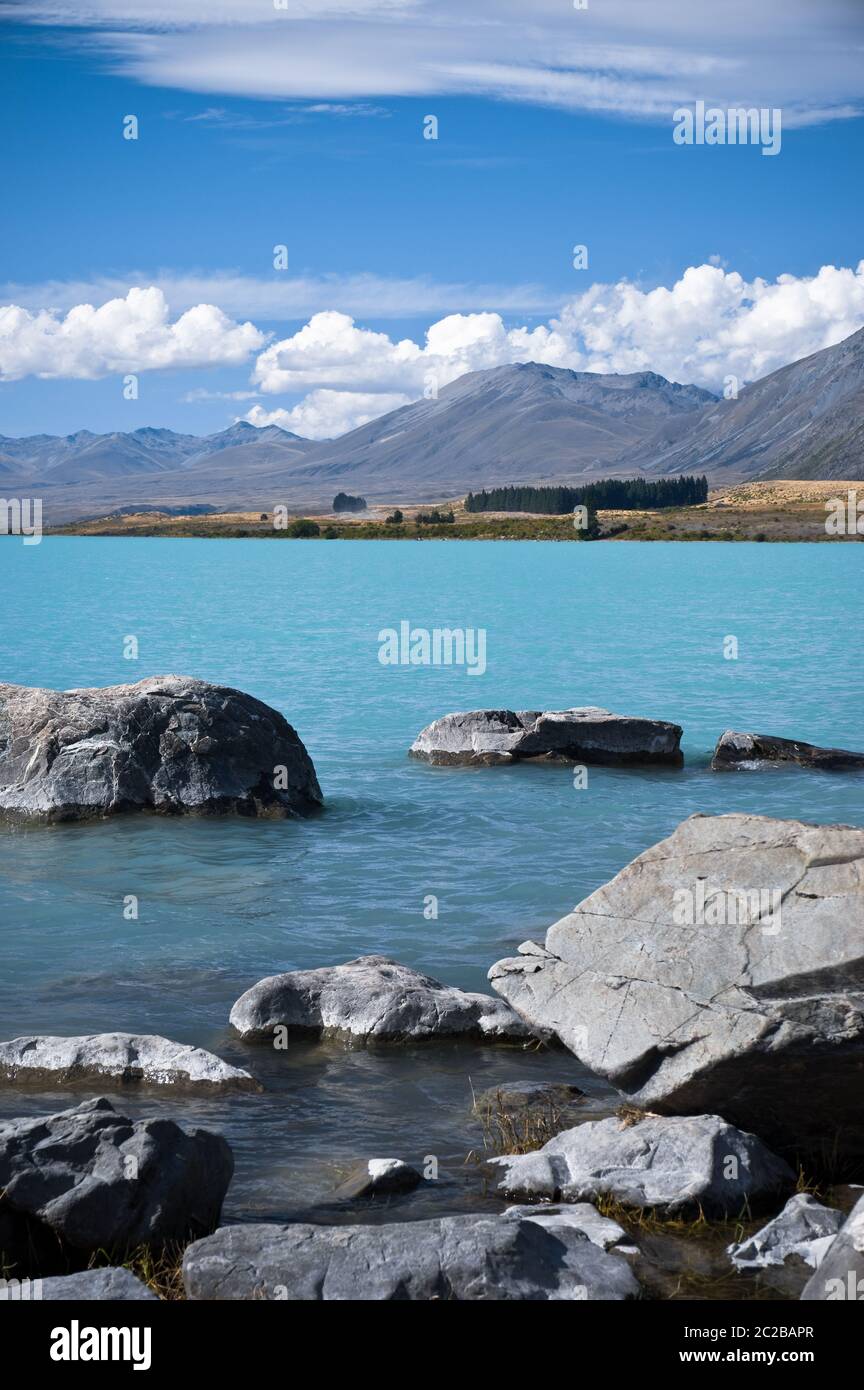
(722, 971)
(371, 997)
(589, 735)
(169, 744)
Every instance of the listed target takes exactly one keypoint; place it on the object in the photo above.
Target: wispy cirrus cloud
(224, 119)
(280, 295)
(622, 58)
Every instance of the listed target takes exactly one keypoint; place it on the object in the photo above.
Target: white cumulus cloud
(327, 414)
(710, 324)
(331, 351)
(132, 334)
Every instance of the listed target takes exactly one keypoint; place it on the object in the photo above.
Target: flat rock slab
(90, 1179)
(589, 735)
(118, 1058)
(722, 971)
(840, 1276)
(665, 1163)
(168, 744)
(600, 1230)
(455, 1258)
(372, 997)
(737, 750)
(112, 1285)
(378, 1177)
(804, 1228)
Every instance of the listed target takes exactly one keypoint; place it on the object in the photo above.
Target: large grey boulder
(454, 1258)
(589, 735)
(111, 1285)
(118, 1058)
(89, 1179)
(721, 971)
(804, 1228)
(669, 1163)
(840, 1276)
(168, 744)
(371, 997)
(737, 750)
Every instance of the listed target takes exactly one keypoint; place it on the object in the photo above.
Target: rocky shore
(716, 982)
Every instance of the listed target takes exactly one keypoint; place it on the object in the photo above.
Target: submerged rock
(371, 997)
(168, 744)
(379, 1177)
(721, 971)
(804, 1228)
(122, 1058)
(557, 1097)
(749, 750)
(840, 1276)
(588, 735)
(672, 1164)
(454, 1258)
(111, 1285)
(90, 1179)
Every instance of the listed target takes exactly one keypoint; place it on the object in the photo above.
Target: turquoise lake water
(639, 629)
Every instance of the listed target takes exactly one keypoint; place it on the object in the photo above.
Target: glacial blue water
(637, 628)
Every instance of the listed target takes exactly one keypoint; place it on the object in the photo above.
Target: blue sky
(399, 232)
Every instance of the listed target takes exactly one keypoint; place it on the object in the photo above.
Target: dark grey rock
(168, 744)
(112, 1285)
(737, 750)
(672, 1164)
(454, 1258)
(840, 1276)
(371, 997)
(119, 1058)
(588, 735)
(376, 1177)
(89, 1179)
(804, 1228)
(722, 971)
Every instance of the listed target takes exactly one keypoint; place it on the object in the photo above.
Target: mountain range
(511, 424)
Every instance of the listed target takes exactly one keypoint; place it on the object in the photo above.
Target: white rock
(120, 1058)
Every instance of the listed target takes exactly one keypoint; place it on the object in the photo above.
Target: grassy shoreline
(769, 512)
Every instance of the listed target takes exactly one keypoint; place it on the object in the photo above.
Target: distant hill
(506, 424)
(83, 457)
